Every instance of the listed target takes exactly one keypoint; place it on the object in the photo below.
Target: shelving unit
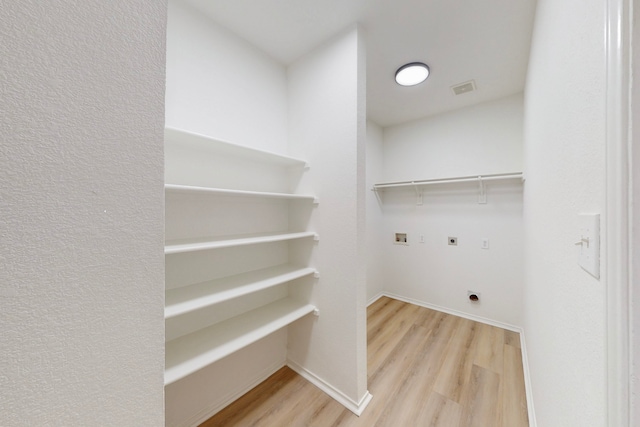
(192, 245)
(480, 179)
(204, 344)
(190, 353)
(188, 189)
(185, 300)
(451, 180)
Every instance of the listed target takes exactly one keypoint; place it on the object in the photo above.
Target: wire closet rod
(493, 177)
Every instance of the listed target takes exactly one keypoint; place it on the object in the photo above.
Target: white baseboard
(355, 407)
(527, 381)
(454, 312)
(224, 401)
(375, 298)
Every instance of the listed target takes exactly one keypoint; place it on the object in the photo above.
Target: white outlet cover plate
(589, 254)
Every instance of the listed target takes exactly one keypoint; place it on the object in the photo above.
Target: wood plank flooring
(426, 368)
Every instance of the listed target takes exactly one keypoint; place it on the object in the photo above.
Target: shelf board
(190, 353)
(185, 189)
(192, 245)
(190, 298)
(219, 146)
(452, 180)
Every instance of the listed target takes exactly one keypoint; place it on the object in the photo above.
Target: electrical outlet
(453, 241)
(484, 243)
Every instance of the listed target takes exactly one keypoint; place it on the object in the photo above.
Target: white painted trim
(455, 312)
(375, 298)
(527, 381)
(617, 225)
(634, 238)
(209, 411)
(355, 407)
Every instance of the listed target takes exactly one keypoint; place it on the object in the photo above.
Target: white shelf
(190, 298)
(452, 180)
(192, 245)
(224, 147)
(175, 188)
(190, 353)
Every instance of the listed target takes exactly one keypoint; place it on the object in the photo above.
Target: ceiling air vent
(465, 87)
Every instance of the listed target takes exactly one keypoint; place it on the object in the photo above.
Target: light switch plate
(588, 243)
(484, 243)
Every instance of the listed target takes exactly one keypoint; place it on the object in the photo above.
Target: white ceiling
(486, 41)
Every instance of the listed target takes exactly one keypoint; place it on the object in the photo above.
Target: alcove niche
(264, 217)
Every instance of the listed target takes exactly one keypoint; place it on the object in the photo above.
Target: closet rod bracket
(419, 200)
(482, 193)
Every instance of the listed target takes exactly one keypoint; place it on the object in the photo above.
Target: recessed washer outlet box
(453, 241)
(401, 239)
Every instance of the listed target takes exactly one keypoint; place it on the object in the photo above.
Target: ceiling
(485, 41)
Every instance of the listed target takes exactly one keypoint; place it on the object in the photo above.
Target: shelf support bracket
(377, 191)
(482, 193)
(418, 194)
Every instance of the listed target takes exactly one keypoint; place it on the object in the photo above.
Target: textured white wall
(327, 127)
(220, 85)
(374, 241)
(564, 315)
(82, 276)
(486, 138)
(482, 139)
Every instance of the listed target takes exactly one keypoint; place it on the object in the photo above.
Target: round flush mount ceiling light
(412, 74)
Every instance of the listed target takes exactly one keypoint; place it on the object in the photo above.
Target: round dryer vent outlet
(473, 296)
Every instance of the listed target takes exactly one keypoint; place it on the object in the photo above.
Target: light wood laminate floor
(426, 368)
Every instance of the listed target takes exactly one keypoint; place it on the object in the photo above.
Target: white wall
(81, 298)
(327, 127)
(564, 310)
(483, 139)
(221, 86)
(478, 140)
(217, 83)
(375, 260)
